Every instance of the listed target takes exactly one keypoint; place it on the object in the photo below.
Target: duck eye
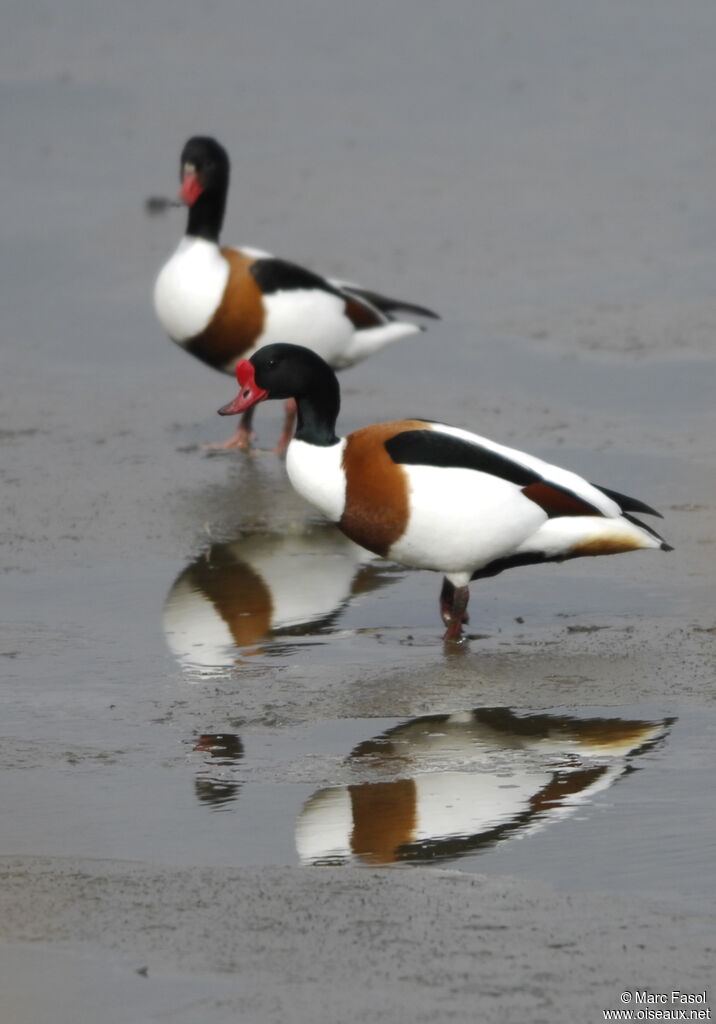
(272, 363)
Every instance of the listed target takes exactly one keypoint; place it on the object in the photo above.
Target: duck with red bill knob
(222, 304)
(431, 496)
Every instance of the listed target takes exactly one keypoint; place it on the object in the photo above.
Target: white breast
(189, 288)
(317, 474)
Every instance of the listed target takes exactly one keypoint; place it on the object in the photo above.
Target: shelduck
(431, 496)
(222, 304)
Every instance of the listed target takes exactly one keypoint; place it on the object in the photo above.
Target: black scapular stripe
(433, 448)
(274, 275)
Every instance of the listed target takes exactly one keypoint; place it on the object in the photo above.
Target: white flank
(367, 342)
(308, 317)
(316, 472)
(461, 519)
(316, 319)
(189, 288)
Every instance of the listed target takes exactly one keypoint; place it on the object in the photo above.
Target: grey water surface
(241, 777)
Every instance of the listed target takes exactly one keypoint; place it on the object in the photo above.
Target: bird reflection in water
(466, 782)
(236, 596)
(214, 783)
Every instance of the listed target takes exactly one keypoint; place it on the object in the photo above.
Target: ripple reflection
(466, 782)
(235, 597)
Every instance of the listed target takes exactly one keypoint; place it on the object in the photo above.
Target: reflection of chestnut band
(225, 604)
(238, 593)
(508, 773)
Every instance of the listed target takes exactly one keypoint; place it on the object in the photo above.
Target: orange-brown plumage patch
(239, 319)
(384, 819)
(614, 734)
(614, 545)
(377, 503)
(556, 502)
(360, 315)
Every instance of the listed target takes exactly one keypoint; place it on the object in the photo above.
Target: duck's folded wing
(559, 492)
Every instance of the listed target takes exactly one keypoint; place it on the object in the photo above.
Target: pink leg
(288, 426)
(453, 609)
(447, 595)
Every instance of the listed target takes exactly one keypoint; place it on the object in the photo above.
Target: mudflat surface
(291, 803)
(273, 945)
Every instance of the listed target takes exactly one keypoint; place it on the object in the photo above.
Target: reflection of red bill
(223, 745)
(205, 743)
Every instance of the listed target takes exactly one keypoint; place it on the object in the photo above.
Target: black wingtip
(409, 307)
(648, 529)
(628, 504)
(388, 305)
(666, 547)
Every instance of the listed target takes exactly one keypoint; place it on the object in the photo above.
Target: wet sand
(267, 944)
(543, 176)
